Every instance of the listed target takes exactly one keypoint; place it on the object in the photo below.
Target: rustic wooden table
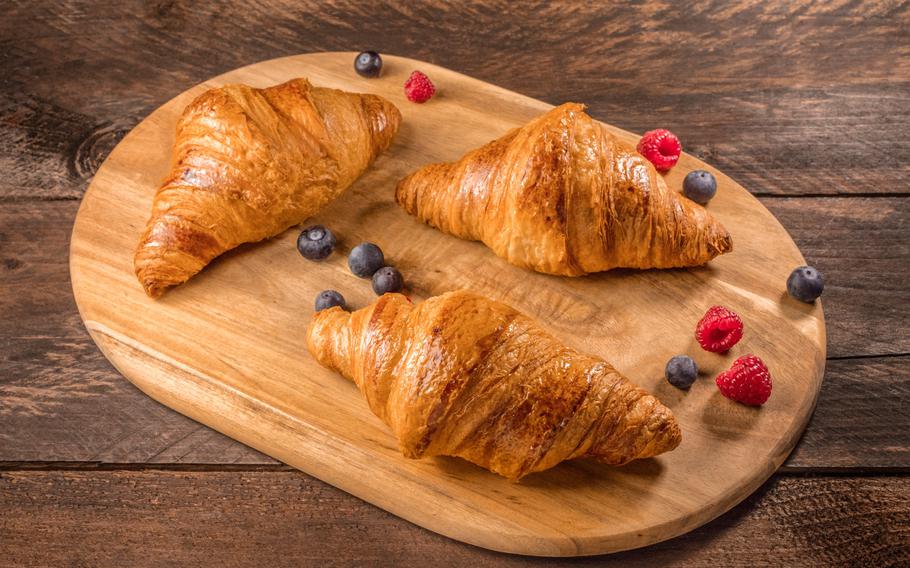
(807, 105)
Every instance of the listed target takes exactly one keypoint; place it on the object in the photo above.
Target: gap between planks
(80, 466)
(855, 357)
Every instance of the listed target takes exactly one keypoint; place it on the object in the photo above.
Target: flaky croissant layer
(250, 163)
(462, 375)
(561, 195)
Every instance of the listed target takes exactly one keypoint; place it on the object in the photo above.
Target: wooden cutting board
(227, 349)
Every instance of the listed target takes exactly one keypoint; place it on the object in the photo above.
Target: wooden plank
(860, 418)
(827, 70)
(165, 518)
(62, 401)
(785, 97)
(862, 248)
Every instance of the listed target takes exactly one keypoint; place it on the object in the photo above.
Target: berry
(418, 88)
(368, 64)
(747, 381)
(719, 330)
(328, 298)
(700, 186)
(681, 371)
(316, 242)
(387, 279)
(805, 284)
(365, 259)
(661, 147)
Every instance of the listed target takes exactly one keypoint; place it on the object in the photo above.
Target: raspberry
(719, 330)
(418, 88)
(747, 381)
(661, 148)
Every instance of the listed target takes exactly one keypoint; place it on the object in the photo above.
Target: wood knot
(93, 148)
(12, 263)
(162, 9)
(706, 152)
(170, 14)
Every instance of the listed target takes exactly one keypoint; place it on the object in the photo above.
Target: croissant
(250, 163)
(561, 195)
(462, 375)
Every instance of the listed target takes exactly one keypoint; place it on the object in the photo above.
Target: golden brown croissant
(249, 163)
(462, 375)
(562, 195)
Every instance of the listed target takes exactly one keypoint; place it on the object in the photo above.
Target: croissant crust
(561, 195)
(249, 163)
(462, 375)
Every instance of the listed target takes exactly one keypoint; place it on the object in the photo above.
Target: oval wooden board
(227, 348)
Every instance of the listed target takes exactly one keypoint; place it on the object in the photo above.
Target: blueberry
(316, 242)
(387, 279)
(805, 284)
(365, 259)
(700, 186)
(681, 371)
(328, 298)
(368, 64)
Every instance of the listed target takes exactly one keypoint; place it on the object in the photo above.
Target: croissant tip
(580, 107)
(384, 118)
(152, 289)
(672, 437)
(724, 242)
(666, 438)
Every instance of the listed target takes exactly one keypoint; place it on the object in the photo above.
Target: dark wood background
(806, 104)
